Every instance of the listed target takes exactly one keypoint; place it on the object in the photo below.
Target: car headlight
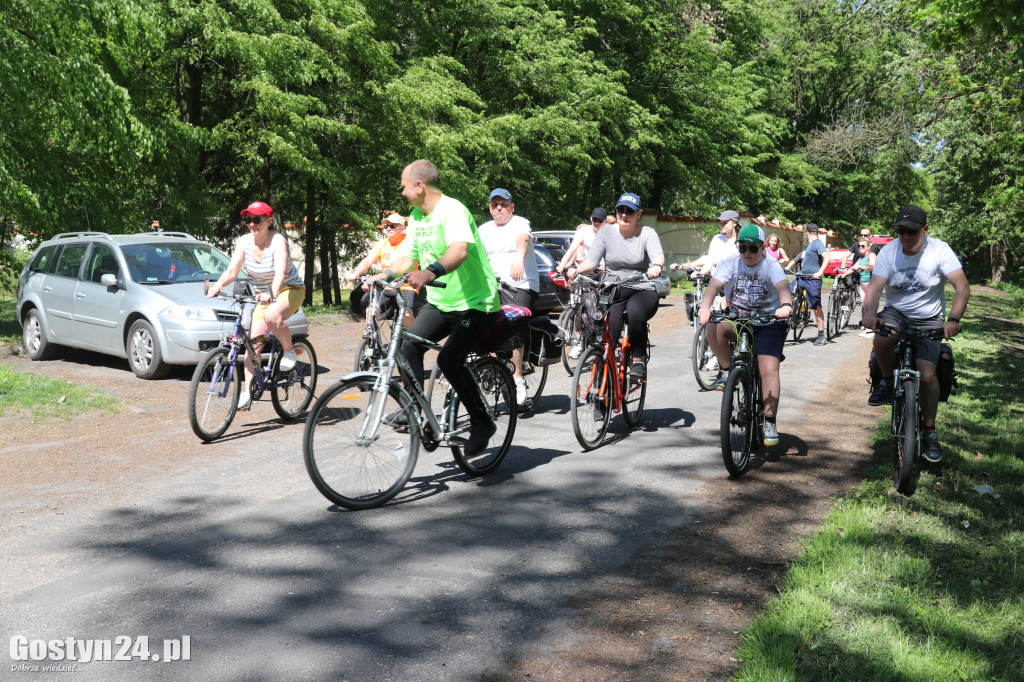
(184, 312)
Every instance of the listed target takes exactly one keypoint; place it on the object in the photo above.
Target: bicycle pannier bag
(545, 342)
(946, 371)
(690, 300)
(591, 314)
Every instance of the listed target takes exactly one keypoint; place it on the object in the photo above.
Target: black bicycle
(906, 412)
(742, 420)
(801, 317)
(217, 381)
(841, 301)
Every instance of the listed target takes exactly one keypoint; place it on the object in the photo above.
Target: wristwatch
(953, 319)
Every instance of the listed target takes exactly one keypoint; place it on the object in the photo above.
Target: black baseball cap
(599, 213)
(913, 217)
(811, 227)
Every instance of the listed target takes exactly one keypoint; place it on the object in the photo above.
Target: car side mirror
(108, 280)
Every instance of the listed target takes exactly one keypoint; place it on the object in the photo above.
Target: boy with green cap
(752, 282)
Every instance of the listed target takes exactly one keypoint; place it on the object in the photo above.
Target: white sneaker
(576, 352)
(867, 334)
(245, 400)
(521, 394)
(771, 434)
(288, 360)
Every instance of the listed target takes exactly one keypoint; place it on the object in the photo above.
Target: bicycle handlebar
(936, 334)
(733, 315)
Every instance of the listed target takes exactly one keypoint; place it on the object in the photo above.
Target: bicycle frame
(240, 338)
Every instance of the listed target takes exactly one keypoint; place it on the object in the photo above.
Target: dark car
(554, 290)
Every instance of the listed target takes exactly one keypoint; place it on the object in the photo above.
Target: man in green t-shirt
(442, 232)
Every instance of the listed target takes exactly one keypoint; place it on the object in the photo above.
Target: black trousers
(639, 305)
(464, 330)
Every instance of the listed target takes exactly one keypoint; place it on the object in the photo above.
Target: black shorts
(770, 338)
(524, 298)
(926, 349)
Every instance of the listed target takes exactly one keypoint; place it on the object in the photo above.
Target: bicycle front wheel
(535, 376)
(705, 364)
(834, 316)
(737, 421)
(291, 392)
(213, 394)
(360, 447)
(567, 323)
(802, 314)
(633, 401)
(591, 399)
(848, 301)
(499, 393)
(905, 411)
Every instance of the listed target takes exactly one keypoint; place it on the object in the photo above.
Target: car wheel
(33, 337)
(144, 351)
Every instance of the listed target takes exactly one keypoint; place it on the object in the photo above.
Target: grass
(927, 587)
(46, 398)
(10, 330)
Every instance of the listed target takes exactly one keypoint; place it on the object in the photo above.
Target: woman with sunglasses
(383, 254)
(864, 263)
(627, 248)
(263, 254)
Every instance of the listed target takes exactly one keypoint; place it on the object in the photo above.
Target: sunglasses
(906, 230)
(391, 226)
(252, 220)
(748, 248)
(622, 210)
(596, 220)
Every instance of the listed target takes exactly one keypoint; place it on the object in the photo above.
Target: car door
(58, 291)
(98, 309)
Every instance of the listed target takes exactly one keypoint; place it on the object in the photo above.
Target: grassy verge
(927, 587)
(10, 330)
(44, 397)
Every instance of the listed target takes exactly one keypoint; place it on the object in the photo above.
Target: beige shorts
(294, 295)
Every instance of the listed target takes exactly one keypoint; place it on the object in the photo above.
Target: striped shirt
(261, 270)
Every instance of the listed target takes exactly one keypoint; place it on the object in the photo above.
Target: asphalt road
(450, 580)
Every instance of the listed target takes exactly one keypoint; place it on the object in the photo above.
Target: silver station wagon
(138, 296)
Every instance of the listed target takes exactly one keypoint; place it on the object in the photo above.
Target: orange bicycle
(601, 384)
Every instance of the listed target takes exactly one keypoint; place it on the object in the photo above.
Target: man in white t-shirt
(582, 240)
(722, 245)
(508, 241)
(912, 270)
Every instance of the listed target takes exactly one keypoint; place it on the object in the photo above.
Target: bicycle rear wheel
(705, 364)
(737, 421)
(591, 404)
(291, 392)
(213, 394)
(567, 323)
(499, 393)
(904, 409)
(848, 301)
(357, 452)
(802, 314)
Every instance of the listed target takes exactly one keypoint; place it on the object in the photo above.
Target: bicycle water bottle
(744, 345)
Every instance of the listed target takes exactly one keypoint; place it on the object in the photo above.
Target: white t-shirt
(916, 284)
(500, 244)
(749, 288)
(720, 247)
(585, 235)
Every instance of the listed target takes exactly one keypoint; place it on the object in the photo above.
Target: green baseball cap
(750, 233)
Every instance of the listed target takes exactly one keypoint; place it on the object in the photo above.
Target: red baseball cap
(258, 208)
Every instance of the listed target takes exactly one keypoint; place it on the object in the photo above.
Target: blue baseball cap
(499, 192)
(629, 201)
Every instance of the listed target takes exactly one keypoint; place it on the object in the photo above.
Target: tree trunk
(998, 261)
(332, 247)
(311, 235)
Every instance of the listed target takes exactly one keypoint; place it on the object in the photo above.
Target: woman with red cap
(263, 254)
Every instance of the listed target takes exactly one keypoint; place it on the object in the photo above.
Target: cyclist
(582, 240)
(629, 247)
(722, 245)
(911, 271)
(773, 249)
(508, 242)
(811, 269)
(383, 255)
(754, 282)
(443, 234)
(263, 254)
(861, 267)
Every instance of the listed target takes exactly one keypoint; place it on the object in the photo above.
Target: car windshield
(165, 262)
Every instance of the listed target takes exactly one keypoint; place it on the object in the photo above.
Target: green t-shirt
(472, 284)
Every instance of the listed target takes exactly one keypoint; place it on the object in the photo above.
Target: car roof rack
(76, 235)
(182, 235)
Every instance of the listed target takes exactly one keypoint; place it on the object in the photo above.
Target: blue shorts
(813, 289)
(770, 338)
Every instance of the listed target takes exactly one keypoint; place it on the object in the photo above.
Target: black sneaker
(638, 372)
(931, 450)
(881, 395)
(480, 433)
(820, 341)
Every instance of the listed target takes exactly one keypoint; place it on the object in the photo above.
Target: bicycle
(801, 311)
(705, 364)
(905, 421)
(569, 323)
(378, 332)
(742, 417)
(216, 385)
(600, 383)
(535, 375)
(362, 436)
(841, 301)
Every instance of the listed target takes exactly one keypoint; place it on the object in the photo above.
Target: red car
(836, 256)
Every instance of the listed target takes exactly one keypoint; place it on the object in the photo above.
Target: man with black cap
(582, 240)
(809, 279)
(722, 245)
(912, 271)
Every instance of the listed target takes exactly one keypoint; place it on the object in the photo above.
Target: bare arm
(229, 275)
(450, 260)
(518, 265)
(961, 294)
